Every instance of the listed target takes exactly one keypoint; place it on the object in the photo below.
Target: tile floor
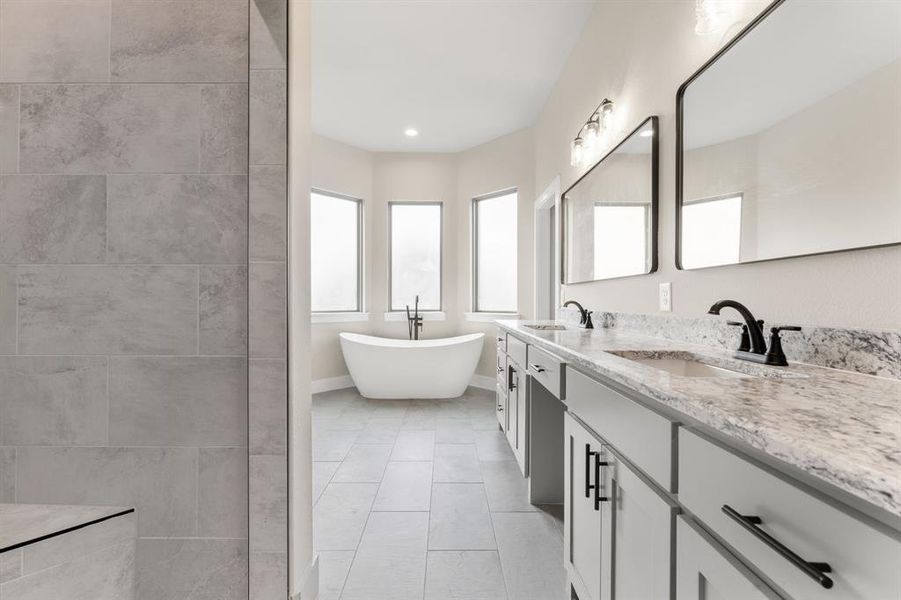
(423, 500)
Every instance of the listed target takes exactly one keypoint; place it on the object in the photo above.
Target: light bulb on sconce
(592, 132)
(577, 152)
(606, 111)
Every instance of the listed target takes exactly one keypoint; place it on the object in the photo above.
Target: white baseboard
(344, 381)
(309, 583)
(483, 381)
(331, 383)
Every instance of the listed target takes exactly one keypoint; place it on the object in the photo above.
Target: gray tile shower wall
(866, 351)
(268, 300)
(124, 153)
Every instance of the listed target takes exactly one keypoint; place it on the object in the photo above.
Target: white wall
(453, 179)
(638, 53)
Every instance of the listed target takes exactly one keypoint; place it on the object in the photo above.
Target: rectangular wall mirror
(789, 139)
(610, 215)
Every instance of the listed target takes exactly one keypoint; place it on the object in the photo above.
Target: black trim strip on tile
(47, 536)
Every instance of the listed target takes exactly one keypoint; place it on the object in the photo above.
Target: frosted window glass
(495, 249)
(711, 233)
(415, 255)
(620, 240)
(334, 253)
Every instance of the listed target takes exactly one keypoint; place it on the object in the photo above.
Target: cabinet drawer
(645, 437)
(501, 367)
(516, 350)
(547, 370)
(501, 339)
(863, 559)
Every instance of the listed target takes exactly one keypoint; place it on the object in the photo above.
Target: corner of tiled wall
(268, 256)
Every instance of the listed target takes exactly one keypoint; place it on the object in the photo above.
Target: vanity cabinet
(706, 571)
(512, 408)
(618, 525)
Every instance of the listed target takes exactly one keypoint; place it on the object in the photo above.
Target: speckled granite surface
(841, 427)
(867, 351)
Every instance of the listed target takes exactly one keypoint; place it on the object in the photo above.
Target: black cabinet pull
(588, 485)
(814, 570)
(511, 378)
(537, 368)
(598, 463)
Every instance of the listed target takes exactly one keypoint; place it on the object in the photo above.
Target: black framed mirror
(788, 140)
(609, 224)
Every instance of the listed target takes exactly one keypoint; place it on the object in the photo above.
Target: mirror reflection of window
(415, 254)
(620, 240)
(711, 232)
(335, 253)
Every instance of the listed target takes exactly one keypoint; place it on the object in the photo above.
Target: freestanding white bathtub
(388, 368)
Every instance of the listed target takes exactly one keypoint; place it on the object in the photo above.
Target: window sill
(339, 317)
(490, 317)
(429, 315)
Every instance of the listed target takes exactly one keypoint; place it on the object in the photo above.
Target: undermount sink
(689, 364)
(688, 368)
(544, 326)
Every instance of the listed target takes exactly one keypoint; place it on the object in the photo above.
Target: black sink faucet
(754, 329)
(584, 315)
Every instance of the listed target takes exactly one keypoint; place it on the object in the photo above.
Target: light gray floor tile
(460, 519)
(390, 562)
(531, 550)
(333, 568)
(419, 418)
(380, 430)
(453, 431)
(405, 486)
(374, 577)
(414, 445)
(322, 476)
(332, 445)
(483, 419)
(506, 488)
(341, 514)
(365, 463)
(464, 575)
(457, 463)
(493, 445)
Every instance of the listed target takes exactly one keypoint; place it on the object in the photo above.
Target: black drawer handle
(814, 570)
(500, 370)
(537, 368)
(598, 463)
(588, 485)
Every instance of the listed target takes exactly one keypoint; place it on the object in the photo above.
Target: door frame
(546, 259)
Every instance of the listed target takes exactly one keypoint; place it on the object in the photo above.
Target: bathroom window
(621, 245)
(415, 254)
(335, 252)
(494, 252)
(711, 232)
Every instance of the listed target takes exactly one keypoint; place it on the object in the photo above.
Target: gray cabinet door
(705, 571)
(643, 523)
(582, 522)
(501, 406)
(512, 403)
(521, 445)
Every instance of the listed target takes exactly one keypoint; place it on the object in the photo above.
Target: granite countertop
(22, 524)
(841, 427)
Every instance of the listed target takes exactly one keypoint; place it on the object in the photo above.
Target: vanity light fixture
(411, 132)
(577, 152)
(586, 140)
(709, 16)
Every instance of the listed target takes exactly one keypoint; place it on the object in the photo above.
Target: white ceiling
(461, 72)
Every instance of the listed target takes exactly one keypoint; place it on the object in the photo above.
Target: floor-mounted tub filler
(389, 368)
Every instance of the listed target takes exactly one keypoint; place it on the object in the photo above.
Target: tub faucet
(584, 315)
(414, 321)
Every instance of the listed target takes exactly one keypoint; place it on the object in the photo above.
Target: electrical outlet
(666, 297)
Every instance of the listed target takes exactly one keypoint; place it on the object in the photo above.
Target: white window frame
(338, 316)
(474, 267)
(391, 309)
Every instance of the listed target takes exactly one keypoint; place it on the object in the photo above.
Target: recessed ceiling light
(410, 132)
